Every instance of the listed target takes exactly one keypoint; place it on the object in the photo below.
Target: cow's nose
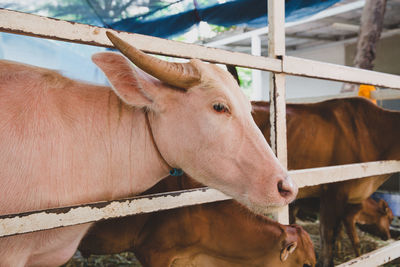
(287, 189)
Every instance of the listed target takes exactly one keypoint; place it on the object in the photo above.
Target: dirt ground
(368, 243)
(346, 253)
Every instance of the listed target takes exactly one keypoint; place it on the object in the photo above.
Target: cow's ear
(383, 205)
(129, 84)
(288, 249)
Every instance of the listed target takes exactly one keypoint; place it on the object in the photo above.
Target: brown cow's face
(297, 248)
(202, 123)
(379, 219)
(385, 219)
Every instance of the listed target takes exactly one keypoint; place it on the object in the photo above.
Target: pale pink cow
(65, 142)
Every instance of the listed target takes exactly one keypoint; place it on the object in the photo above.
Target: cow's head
(296, 247)
(377, 220)
(202, 123)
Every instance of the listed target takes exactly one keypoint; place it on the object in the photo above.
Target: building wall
(297, 87)
(387, 55)
(387, 60)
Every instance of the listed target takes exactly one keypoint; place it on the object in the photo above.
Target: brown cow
(210, 235)
(371, 216)
(65, 142)
(334, 132)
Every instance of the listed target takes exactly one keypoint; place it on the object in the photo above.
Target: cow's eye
(220, 108)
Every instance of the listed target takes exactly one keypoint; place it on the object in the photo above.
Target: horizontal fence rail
(323, 175)
(328, 71)
(38, 26)
(66, 216)
(385, 94)
(375, 258)
(79, 214)
(34, 25)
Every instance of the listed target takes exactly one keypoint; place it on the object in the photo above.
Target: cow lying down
(209, 235)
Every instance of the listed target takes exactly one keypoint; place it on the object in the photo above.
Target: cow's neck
(396, 133)
(117, 157)
(141, 165)
(387, 128)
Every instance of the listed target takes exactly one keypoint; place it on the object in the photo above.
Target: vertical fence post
(256, 74)
(276, 49)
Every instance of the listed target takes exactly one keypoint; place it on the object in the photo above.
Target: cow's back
(336, 132)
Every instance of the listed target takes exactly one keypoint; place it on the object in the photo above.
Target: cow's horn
(182, 75)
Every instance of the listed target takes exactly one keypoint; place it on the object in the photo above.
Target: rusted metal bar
(375, 258)
(321, 70)
(316, 176)
(386, 94)
(33, 25)
(276, 50)
(49, 28)
(38, 26)
(66, 216)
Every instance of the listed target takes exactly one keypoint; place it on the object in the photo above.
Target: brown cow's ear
(287, 250)
(132, 86)
(383, 205)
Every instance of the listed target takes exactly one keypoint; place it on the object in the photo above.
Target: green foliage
(245, 80)
(219, 29)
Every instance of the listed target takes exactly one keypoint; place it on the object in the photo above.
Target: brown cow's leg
(338, 244)
(350, 224)
(293, 210)
(331, 214)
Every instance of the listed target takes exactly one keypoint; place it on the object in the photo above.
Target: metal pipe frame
(277, 62)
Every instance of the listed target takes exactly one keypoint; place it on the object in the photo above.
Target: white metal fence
(277, 63)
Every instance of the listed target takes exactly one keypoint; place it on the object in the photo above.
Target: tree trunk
(370, 32)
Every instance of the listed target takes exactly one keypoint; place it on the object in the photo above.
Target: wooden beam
(370, 32)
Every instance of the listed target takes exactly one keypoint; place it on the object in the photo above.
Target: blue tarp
(164, 18)
(238, 12)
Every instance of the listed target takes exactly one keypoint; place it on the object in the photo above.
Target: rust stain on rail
(52, 37)
(27, 222)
